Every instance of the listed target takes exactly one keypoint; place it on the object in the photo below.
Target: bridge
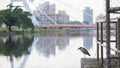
(67, 26)
(36, 23)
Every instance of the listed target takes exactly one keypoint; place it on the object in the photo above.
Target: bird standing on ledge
(84, 50)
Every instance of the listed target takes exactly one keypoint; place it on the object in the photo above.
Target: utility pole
(108, 63)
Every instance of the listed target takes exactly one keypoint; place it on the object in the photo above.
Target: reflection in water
(47, 45)
(88, 42)
(14, 46)
(26, 47)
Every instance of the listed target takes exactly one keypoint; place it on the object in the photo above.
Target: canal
(45, 51)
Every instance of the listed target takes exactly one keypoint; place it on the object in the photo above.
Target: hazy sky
(74, 8)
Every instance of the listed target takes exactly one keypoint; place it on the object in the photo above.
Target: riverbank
(49, 31)
(4, 31)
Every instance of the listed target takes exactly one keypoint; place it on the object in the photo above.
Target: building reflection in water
(47, 45)
(88, 42)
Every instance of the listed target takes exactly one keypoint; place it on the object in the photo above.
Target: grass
(16, 29)
(53, 31)
(46, 31)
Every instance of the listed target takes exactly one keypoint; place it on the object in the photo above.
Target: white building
(88, 15)
(62, 17)
(46, 13)
(47, 8)
(101, 17)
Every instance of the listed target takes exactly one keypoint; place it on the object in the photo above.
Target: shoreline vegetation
(39, 31)
(4, 31)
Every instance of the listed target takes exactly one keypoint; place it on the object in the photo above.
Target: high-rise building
(62, 17)
(46, 13)
(47, 8)
(88, 15)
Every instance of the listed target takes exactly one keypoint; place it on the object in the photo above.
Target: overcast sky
(74, 8)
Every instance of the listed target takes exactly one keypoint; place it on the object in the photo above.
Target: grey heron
(83, 50)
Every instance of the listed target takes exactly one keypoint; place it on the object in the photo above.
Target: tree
(1, 17)
(15, 16)
(8, 17)
(60, 23)
(75, 22)
(86, 22)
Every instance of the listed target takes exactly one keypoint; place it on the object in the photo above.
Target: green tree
(86, 22)
(60, 23)
(75, 22)
(15, 16)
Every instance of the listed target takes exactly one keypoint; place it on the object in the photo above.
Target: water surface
(20, 51)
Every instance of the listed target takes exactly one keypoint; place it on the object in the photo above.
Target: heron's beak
(78, 49)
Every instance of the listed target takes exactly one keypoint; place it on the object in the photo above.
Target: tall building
(62, 17)
(47, 8)
(46, 13)
(88, 15)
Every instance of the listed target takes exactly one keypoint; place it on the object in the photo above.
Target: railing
(66, 26)
(100, 40)
(113, 49)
